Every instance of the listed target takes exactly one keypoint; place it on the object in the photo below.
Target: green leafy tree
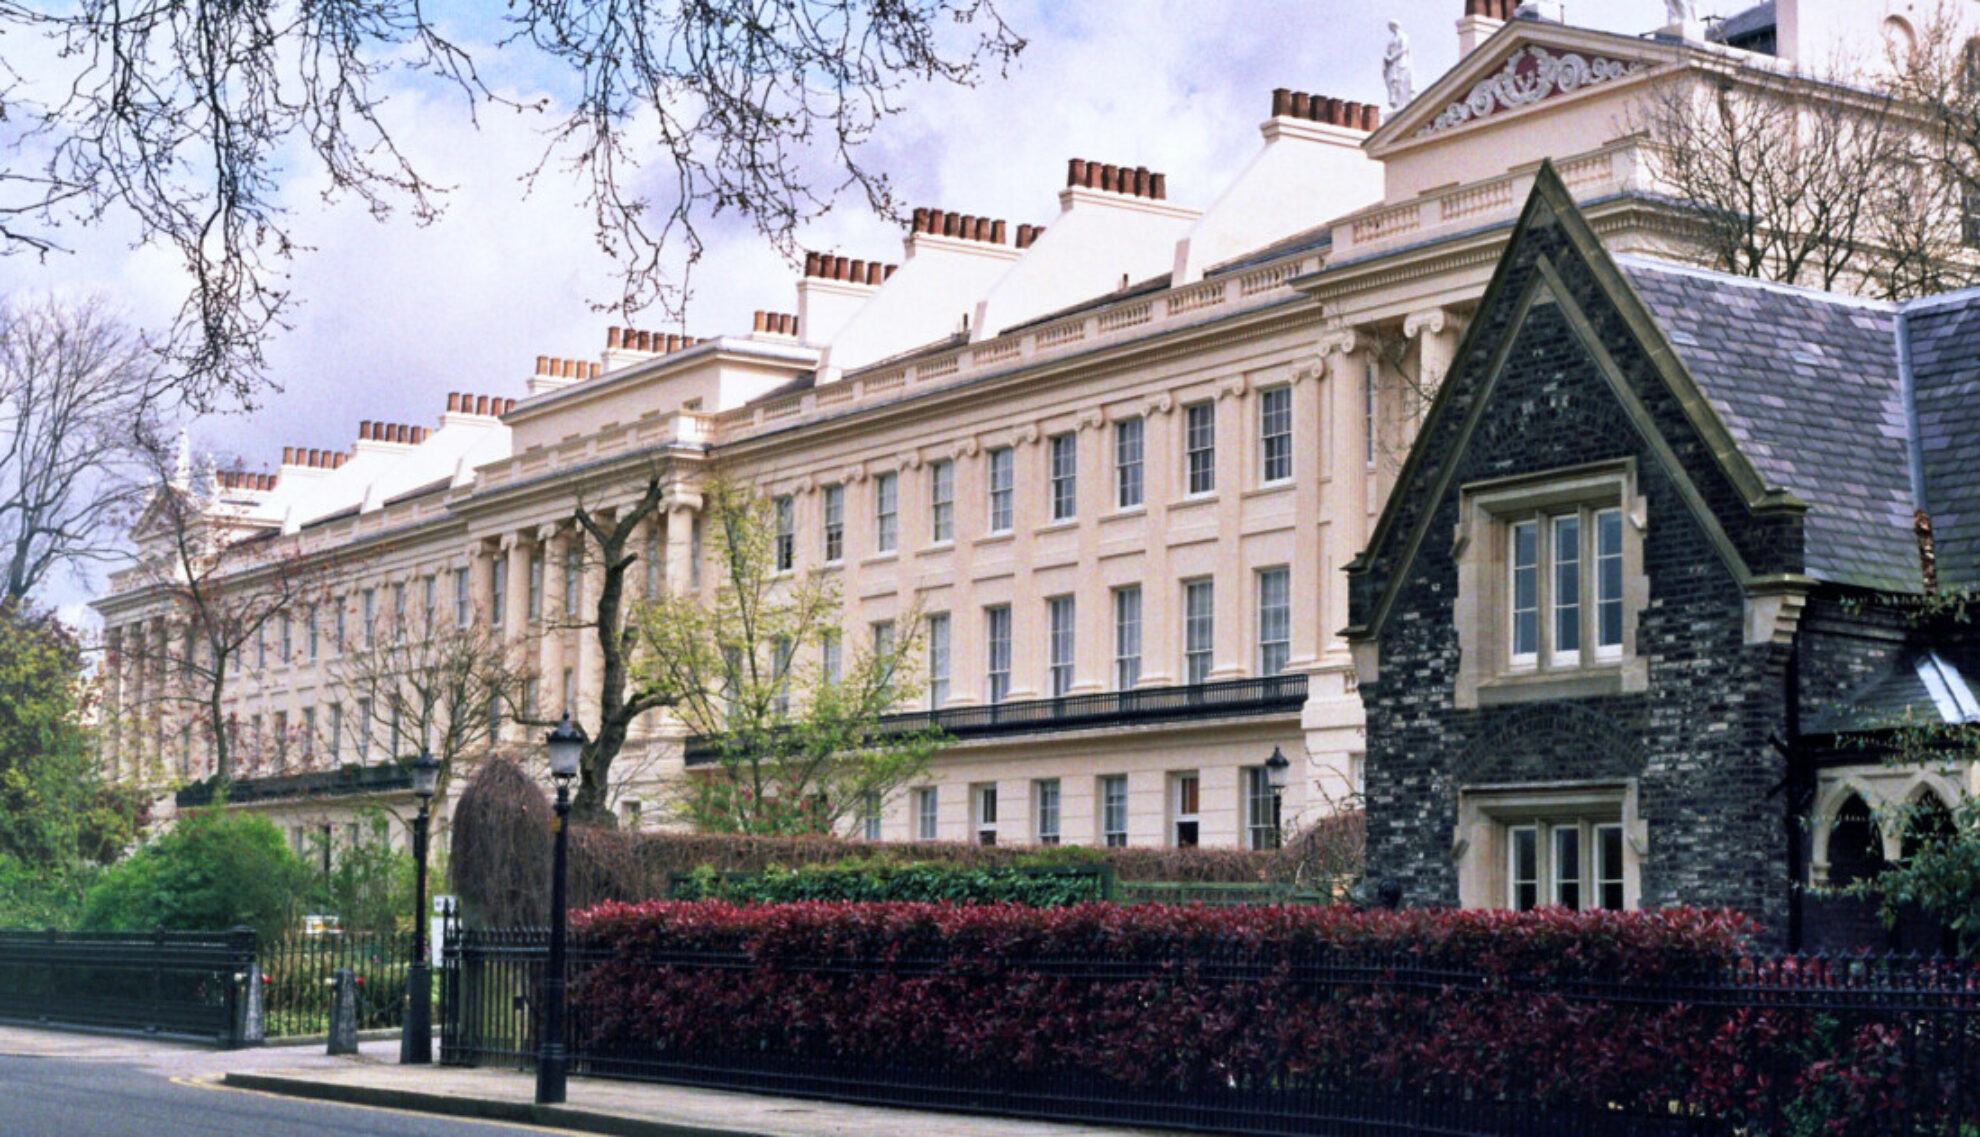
(800, 741)
(213, 869)
(58, 821)
(1940, 871)
(370, 884)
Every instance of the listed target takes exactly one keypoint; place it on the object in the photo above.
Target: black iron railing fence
(189, 985)
(1924, 1016)
(1277, 694)
(296, 974)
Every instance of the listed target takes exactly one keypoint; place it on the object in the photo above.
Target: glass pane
(1609, 866)
(1609, 578)
(1567, 585)
(1523, 868)
(1525, 589)
(1567, 866)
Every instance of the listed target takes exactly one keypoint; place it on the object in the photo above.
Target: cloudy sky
(393, 315)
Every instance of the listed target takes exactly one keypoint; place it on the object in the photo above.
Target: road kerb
(450, 1105)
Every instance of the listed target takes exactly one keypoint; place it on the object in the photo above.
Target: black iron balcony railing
(1277, 694)
(344, 781)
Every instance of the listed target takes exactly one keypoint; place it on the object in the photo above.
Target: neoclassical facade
(1117, 462)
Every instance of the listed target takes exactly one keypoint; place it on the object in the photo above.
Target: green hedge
(879, 881)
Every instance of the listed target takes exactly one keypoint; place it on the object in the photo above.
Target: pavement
(374, 1079)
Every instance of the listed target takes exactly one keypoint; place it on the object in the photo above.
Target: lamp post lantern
(566, 746)
(416, 1037)
(1277, 767)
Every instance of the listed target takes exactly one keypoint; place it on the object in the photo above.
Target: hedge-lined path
(629, 1109)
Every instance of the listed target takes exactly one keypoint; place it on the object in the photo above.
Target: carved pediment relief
(1531, 74)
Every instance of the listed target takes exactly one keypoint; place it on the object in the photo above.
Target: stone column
(1311, 455)
(113, 700)
(1030, 633)
(518, 547)
(966, 650)
(680, 512)
(1236, 587)
(554, 540)
(1161, 593)
(590, 657)
(1436, 332)
(1093, 655)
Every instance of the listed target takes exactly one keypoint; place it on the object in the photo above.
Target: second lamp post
(566, 745)
(416, 1037)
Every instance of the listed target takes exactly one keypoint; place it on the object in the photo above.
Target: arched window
(1856, 849)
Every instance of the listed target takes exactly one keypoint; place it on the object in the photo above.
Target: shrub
(212, 870)
(882, 881)
(1553, 1008)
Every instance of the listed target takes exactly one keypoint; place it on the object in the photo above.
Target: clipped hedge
(881, 881)
(1578, 1011)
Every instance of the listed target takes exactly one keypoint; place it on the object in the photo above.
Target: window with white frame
(1185, 807)
(653, 564)
(1274, 620)
(925, 817)
(1573, 864)
(311, 618)
(1368, 402)
(1045, 804)
(1200, 448)
(1199, 630)
(364, 730)
(1552, 586)
(938, 660)
(785, 509)
(429, 608)
(261, 646)
(869, 810)
(983, 813)
(338, 620)
(1063, 458)
(535, 612)
(1061, 618)
(1566, 595)
(1114, 810)
(1275, 434)
(334, 742)
(463, 606)
(282, 738)
(1129, 437)
(997, 651)
(369, 613)
(498, 600)
(835, 524)
(831, 658)
(886, 512)
(494, 719)
(398, 614)
(1001, 469)
(694, 551)
(573, 573)
(942, 501)
(1261, 818)
(783, 652)
(1127, 637)
(288, 635)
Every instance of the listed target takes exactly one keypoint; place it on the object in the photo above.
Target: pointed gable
(1559, 302)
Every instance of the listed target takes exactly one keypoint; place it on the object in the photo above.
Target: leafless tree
(1831, 184)
(222, 582)
(183, 115)
(440, 687)
(73, 380)
(624, 695)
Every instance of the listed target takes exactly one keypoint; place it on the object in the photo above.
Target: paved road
(74, 1097)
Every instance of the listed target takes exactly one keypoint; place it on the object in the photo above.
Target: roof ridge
(1736, 280)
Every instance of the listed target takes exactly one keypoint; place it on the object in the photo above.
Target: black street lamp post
(566, 744)
(1276, 769)
(416, 1037)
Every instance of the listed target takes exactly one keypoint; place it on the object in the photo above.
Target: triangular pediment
(1526, 63)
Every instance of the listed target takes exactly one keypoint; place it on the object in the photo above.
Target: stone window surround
(1478, 842)
(1882, 788)
(1485, 675)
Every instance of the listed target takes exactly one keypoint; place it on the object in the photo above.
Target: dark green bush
(877, 881)
(212, 870)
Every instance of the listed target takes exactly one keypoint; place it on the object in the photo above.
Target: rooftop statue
(1395, 68)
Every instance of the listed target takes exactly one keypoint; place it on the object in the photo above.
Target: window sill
(1194, 500)
(939, 548)
(1126, 512)
(1060, 526)
(1003, 538)
(880, 559)
(1566, 684)
(1268, 489)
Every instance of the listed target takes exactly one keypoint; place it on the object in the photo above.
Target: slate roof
(1811, 386)
(1925, 686)
(1945, 367)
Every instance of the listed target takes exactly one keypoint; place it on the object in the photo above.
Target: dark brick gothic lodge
(1649, 579)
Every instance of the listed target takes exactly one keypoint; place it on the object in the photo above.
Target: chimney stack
(961, 226)
(1482, 18)
(825, 266)
(1134, 181)
(1329, 111)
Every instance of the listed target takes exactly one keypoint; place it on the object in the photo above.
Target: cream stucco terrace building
(1117, 461)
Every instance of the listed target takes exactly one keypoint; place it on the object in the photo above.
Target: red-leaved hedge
(1578, 1010)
